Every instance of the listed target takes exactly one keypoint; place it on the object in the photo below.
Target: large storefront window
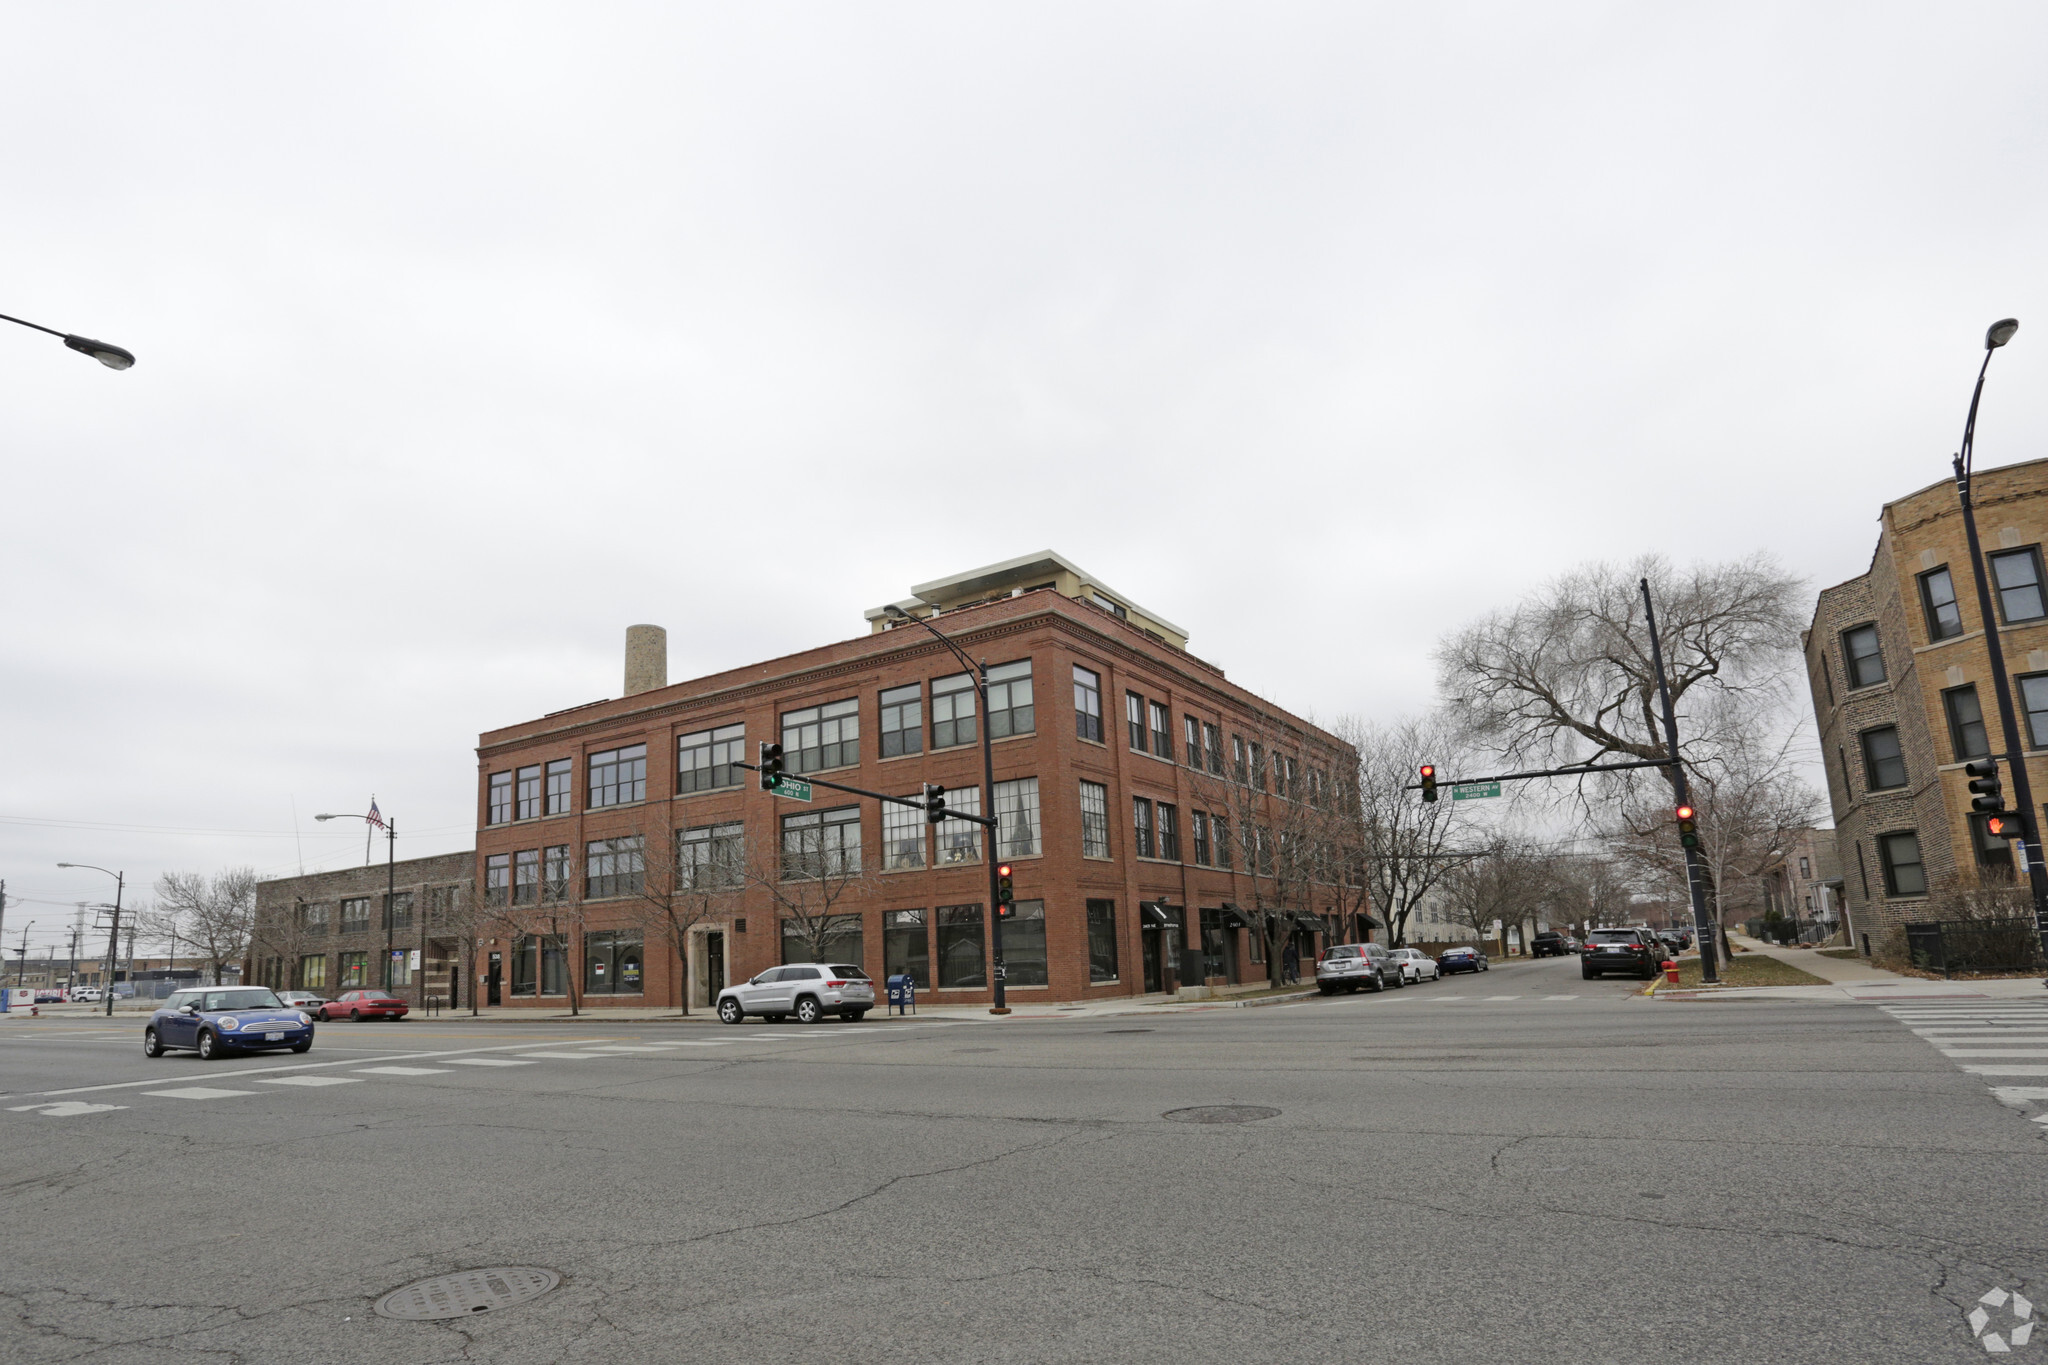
(1102, 964)
(827, 938)
(523, 953)
(1024, 945)
(612, 961)
(907, 946)
(963, 958)
(355, 970)
(313, 972)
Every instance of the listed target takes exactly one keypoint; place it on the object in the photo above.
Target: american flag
(375, 817)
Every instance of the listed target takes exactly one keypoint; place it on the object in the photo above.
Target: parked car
(1416, 966)
(217, 1020)
(302, 1000)
(1636, 951)
(87, 994)
(1461, 960)
(809, 990)
(1549, 943)
(1355, 967)
(360, 1005)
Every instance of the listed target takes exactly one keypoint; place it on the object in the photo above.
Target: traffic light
(1688, 828)
(1984, 781)
(1429, 781)
(1006, 893)
(934, 803)
(771, 765)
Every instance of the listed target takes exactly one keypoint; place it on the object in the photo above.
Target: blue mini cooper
(218, 1019)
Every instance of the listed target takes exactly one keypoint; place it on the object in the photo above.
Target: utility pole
(1709, 944)
(114, 943)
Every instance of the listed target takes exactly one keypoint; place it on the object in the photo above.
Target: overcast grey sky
(470, 334)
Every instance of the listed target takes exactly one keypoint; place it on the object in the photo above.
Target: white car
(809, 990)
(1415, 965)
(85, 994)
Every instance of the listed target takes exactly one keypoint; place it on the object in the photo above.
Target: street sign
(1475, 791)
(795, 788)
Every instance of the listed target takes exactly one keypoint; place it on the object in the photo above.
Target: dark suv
(1635, 951)
(1549, 943)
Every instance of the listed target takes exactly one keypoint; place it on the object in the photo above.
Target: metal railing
(1974, 945)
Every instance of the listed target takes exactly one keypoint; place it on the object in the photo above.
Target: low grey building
(333, 931)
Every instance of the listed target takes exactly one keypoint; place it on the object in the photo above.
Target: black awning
(1148, 913)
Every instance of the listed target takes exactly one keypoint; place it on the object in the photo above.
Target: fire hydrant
(1670, 972)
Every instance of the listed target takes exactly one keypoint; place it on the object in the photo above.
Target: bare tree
(815, 871)
(214, 915)
(1408, 845)
(697, 879)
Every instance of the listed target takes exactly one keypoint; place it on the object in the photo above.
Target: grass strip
(1749, 969)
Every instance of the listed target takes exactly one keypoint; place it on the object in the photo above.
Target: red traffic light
(1003, 870)
(1429, 770)
(1685, 812)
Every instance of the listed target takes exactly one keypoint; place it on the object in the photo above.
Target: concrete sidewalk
(1854, 981)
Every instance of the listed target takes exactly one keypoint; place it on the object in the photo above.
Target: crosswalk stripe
(401, 1071)
(2011, 1054)
(198, 1092)
(563, 1056)
(309, 1080)
(2000, 1069)
(487, 1061)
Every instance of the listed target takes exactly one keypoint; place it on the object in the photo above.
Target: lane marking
(1560, 997)
(1503, 997)
(625, 1047)
(240, 1072)
(487, 1061)
(197, 1092)
(2012, 1054)
(1995, 1069)
(402, 1071)
(309, 1080)
(65, 1109)
(563, 1056)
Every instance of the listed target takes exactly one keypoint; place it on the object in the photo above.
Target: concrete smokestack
(646, 659)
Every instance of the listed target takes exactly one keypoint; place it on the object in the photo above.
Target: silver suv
(809, 990)
(1352, 966)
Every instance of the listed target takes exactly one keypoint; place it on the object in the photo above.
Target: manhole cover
(467, 1293)
(1222, 1113)
(1127, 1030)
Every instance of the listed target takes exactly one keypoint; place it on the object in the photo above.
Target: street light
(1001, 1003)
(1995, 337)
(390, 828)
(114, 931)
(108, 354)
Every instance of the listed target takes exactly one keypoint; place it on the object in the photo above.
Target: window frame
(1870, 782)
(1100, 920)
(1931, 610)
(2035, 738)
(1891, 868)
(1168, 815)
(952, 692)
(1141, 827)
(715, 742)
(614, 867)
(1134, 721)
(710, 857)
(1212, 746)
(957, 919)
(908, 732)
(833, 861)
(1852, 662)
(616, 776)
(1087, 704)
(1019, 825)
(1198, 835)
(1095, 820)
(498, 798)
(1191, 735)
(560, 777)
(1161, 717)
(1007, 715)
(527, 806)
(1998, 590)
(1956, 725)
(844, 747)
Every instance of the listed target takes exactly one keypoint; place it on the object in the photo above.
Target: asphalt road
(1569, 1173)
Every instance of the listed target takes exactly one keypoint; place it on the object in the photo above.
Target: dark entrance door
(1149, 939)
(714, 966)
(493, 978)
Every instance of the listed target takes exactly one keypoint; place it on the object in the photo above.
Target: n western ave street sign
(1473, 791)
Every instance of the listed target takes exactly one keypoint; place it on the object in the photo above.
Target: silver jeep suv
(1352, 966)
(809, 990)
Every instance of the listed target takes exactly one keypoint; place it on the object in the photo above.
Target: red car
(360, 1005)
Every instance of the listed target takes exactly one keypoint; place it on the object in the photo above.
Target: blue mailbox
(903, 994)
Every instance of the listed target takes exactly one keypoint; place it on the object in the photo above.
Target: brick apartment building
(1903, 696)
(326, 932)
(1127, 772)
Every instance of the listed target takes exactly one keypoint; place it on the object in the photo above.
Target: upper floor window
(959, 840)
(1087, 703)
(1134, 717)
(1965, 722)
(1219, 829)
(1162, 731)
(1169, 831)
(1884, 763)
(902, 837)
(1938, 600)
(1141, 823)
(1191, 734)
(1009, 700)
(1258, 767)
(2034, 701)
(618, 777)
(1212, 747)
(497, 878)
(1198, 823)
(710, 857)
(355, 913)
(529, 792)
(1094, 820)
(820, 844)
(953, 711)
(825, 736)
(554, 873)
(560, 776)
(1113, 608)
(903, 721)
(526, 876)
(1017, 818)
(1237, 767)
(614, 867)
(499, 808)
(704, 759)
(2017, 574)
(1865, 659)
